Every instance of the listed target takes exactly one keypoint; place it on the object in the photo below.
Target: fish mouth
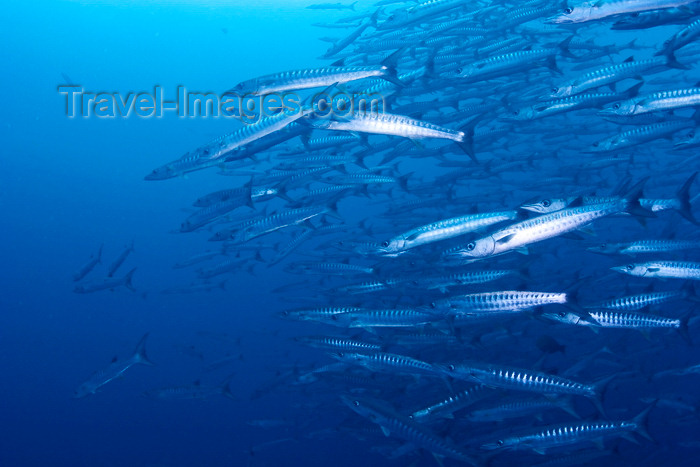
(491, 446)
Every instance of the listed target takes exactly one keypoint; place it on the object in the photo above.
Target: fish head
(221, 235)
(84, 390)
(161, 173)
(480, 248)
(564, 90)
(574, 14)
(392, 247)
(638, 270)
(562, 316)
(603, 146)
(604, 248)
(517, 115)
(249, 86)
(619, 109)
(505, 443)
(545, 205)
(688, 139)
(293, 315)
(362, 408)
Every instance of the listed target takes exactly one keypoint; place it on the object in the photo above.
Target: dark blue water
(69, 185)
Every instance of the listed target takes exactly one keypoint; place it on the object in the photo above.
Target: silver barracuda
(443, 230)
(114, 370)
(590, 11)
(393, 424)
(662, 269)
(543, 439)
(540, 228)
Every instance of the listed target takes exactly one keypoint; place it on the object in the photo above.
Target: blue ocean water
(70, 186)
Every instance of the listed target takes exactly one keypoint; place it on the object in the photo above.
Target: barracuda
(396, 125)
(510, 62)
(508, 301)
(640, 135)
(537, 229)
(466, 278)
(543, 439)
(567, 104)
(616, 319)
(213, 153)
(316, 314)
(609, 75)
(656, 102)
(367, 318)
(662, 269)
(637, 302)
(338, 344)
(319, 77)
(589, 11)
(114, 370)
(388, 362)
(446, 407)
(522, 408)
(443, 230)
(282, 220)
(394, 424)
(645, 246)
(521, 380)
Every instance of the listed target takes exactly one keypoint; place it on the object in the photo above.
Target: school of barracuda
(491, 261)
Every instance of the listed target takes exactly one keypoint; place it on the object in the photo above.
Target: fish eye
(516, 112)
(629, 267)
(459, 70)
(691, 134)
(616, 106)
(568, 11)
(561, 314)
(385, 244)
(451, 367)
(433, 305)
(500, 442)
(471, 246)
(356, 403)
(546, 203)
(595, 145)
(555, 90)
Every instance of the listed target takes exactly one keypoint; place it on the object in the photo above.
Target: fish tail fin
(140, 352)
(552, 64)
(642, 422)
(403, 181)
(127, 280)
(600, 387)
(282, 194)
(683, 328)
(634, 207)
(226, 388)
(564, 47)
(375, 16)
(633, 91)
(567, 406)
(683, 197)
(467, 142)
(390, 63)
(671, 61)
